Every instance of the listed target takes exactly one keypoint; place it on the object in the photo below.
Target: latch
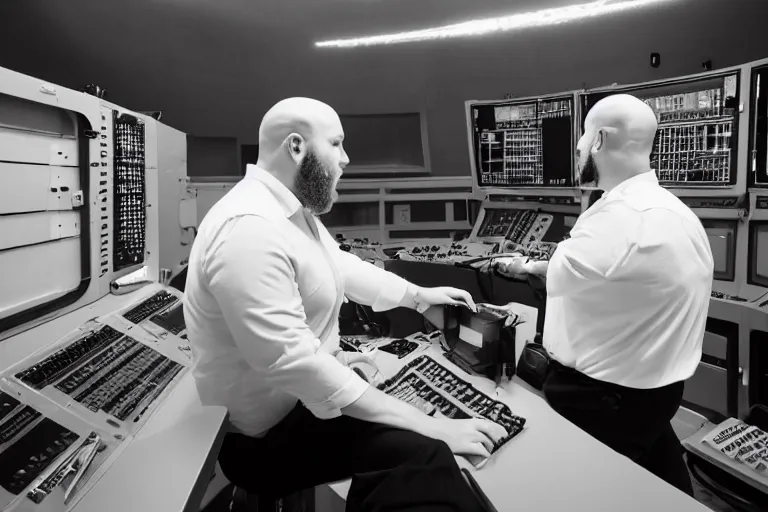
(90, 134)
(77, 199)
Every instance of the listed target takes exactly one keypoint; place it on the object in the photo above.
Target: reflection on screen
(722, 241)
(761, 259)
(719, 244)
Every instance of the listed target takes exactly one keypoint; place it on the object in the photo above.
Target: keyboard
(431, 387)
(104, 370)
(121, 378)
(52, 367)
(29, 443)
(149, 307)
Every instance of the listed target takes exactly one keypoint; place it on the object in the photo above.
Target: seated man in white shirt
(265, 284)
(627, 297)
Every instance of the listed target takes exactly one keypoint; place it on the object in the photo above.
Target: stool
(243, 501)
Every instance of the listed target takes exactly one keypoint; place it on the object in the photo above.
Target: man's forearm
(378, 407)
(537, 267)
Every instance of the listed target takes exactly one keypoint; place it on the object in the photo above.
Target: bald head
(618, 138)
(303, 116)
(300, 143)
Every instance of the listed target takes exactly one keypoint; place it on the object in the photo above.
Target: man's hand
(442, 295)
(473, 437)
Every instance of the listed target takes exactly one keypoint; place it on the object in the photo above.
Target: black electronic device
(478, 342)
(171, 320)
(431, 387)
(400, 347)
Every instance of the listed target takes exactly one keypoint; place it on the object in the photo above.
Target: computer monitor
(696, 142)
(722, 241)
(757, 164)
(757, 273)
(522, 142)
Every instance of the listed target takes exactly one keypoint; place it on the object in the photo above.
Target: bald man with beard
(627, 296)
(265, 284)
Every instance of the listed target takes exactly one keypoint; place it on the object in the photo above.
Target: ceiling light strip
(545, 17)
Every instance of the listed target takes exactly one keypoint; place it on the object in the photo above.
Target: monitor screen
(523, 143)
(758, 253)
(696, 142)
(758, 139)
(44, 234)
(722, 241)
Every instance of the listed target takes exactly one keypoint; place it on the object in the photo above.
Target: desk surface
(553, 465)
(166, 467)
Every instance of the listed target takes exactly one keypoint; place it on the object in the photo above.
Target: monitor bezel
(738, 182)
(482, 191)
(733, 224)
(752, 277)
(755, 68)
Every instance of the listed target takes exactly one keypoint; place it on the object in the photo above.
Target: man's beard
(314, 185)
(589, 175)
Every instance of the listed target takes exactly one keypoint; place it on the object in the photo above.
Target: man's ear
(296, 146)
(599, 141)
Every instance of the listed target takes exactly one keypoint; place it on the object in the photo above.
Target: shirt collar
(646, 177)
(287, 200)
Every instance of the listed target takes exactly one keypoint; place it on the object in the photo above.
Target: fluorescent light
(482, 27)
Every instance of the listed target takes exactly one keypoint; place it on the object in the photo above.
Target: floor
(685, 425)
(221, 503)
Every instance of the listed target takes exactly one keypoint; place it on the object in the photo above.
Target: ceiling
(213, 66)
(291, 22)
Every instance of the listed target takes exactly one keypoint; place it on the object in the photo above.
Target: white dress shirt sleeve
(598, 248)
(367, 284)
(253, 280)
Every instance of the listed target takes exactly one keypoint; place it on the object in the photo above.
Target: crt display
(758, 253)
(758, 140)
(696, 142)
(722, 241)
(518, 144)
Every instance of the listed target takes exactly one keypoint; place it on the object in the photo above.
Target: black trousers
(391, 469)
(634, 422)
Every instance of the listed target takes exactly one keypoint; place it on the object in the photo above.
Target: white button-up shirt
(628, 293)
(264, 287)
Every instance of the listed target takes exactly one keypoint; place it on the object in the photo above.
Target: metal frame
(481, 192)
(752, 67)
(42, 92)
(151, 195)
(92, 109)
(757, 217)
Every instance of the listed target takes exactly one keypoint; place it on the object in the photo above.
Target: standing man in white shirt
(627, 297)
(265, 284)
